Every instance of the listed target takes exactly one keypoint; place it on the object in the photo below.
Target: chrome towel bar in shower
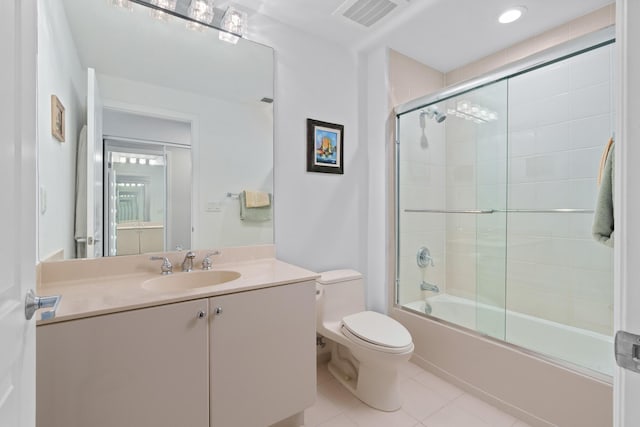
(490, 211)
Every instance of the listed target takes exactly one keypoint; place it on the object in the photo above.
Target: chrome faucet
(425, 286)
(187, 264)
(166, 267)
(207, 264)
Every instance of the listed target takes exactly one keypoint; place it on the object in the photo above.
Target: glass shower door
(452, 201)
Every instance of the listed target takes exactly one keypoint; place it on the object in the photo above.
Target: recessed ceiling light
(512, 14)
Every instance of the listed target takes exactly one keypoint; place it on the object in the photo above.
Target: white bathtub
(578, 346)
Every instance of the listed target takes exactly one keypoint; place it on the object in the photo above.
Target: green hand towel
(260, 214)
(602, 229)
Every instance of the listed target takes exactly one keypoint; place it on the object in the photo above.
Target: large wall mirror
(151, 131)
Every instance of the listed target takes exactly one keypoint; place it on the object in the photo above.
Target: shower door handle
(627, 348)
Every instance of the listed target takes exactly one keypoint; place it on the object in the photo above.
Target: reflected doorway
(147, 195)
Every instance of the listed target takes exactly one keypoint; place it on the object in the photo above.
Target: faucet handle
(207, 264)
(166, 267)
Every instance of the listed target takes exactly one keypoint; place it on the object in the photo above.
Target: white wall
(61, 74)
(226, 153)
(320, 218)
(376, 125)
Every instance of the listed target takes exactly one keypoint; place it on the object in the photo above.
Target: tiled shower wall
(560, 119)
(422, 165)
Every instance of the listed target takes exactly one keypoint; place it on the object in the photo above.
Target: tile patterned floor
(428, 402)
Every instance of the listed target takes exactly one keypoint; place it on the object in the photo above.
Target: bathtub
(580, 347)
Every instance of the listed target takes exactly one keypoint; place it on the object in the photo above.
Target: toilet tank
(339, 293)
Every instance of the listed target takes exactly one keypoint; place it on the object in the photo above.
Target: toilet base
(375, 385)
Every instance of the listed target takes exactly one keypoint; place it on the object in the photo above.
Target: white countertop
(112, 293)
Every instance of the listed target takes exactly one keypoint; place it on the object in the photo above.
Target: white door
(94, 167)
(627, 201)
(18, 216)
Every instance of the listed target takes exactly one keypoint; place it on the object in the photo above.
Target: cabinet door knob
(218, 311)
(202, 314)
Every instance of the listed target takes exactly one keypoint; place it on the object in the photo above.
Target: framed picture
(325, 147)
(57, 119)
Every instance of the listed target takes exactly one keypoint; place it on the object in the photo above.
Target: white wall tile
(591, 101)
(552, 138)
(591, 68)
(591, 132)
(554, 109)
(584, 163)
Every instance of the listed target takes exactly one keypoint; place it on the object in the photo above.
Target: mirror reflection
(167, 127)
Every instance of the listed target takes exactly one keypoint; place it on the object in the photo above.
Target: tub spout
(424, 286)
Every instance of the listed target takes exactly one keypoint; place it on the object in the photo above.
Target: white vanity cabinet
(138, 368)
(263, 355)
(245, 359)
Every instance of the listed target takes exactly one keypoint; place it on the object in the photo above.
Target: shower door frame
(544, 58)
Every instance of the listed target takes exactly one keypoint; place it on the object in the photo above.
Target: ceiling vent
(366, 12)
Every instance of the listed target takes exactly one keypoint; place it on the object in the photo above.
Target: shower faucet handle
(424, 258)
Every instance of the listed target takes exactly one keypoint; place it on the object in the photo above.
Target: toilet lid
(377, 329)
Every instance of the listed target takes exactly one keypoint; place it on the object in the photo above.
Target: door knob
(33, 303)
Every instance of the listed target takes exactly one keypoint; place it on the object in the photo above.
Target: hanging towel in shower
(603, 226)
(603, 159)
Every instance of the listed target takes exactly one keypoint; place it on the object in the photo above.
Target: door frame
(627, 203)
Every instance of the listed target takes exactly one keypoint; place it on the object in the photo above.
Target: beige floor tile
(332, 400)
(339, 421)
(364, 416)
(491, 415)
(409, 370)
(420, 401)
(323, 373)
(426, 397)
(454, 416)
(440, 386)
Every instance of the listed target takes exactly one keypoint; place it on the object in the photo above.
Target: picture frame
(325, 147)
(57, 119)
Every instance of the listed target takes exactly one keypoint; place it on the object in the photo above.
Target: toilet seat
(377, 332)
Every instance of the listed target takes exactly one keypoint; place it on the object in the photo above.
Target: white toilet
(369, 346)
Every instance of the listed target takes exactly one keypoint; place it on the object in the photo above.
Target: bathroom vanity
(238, 353)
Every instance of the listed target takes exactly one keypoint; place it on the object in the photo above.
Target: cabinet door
(140, 368)
(263, 355)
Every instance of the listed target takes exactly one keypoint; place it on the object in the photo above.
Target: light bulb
(512, 14)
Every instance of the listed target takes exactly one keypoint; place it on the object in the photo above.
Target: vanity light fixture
(201, 11)
(512, 14)
(162, 4)
(234, 24)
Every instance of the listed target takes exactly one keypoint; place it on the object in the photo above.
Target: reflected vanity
(175, 119)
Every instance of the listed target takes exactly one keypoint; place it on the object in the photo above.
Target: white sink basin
(191, 280)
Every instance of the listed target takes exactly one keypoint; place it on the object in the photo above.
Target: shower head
(434, 114)
(439, 117)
